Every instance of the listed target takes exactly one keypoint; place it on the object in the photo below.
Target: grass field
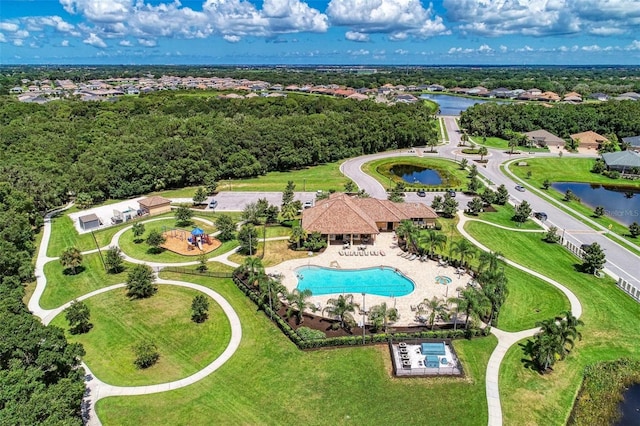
(441, 125)
(609, 331)
(270, 381)
(275, 253)
(324, 177)
(530, 299)
(63, 288)
(574, 170)
(449, 171)
(502, 216)
(165, 319)
(499, 143)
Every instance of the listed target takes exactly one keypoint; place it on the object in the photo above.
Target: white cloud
(100, 10)
(503, 48)
(3, 39)
(386, 16)
(356, 36)
(94, 40)
(232, 38)
(485, 48)
(544, 17)
(360, 52)
(146, 42)
(9, 26)
(635, 45)
(401, 51)
(18, 42)
(21, 34)
(64, 43)
(125, 43)
(592, 48)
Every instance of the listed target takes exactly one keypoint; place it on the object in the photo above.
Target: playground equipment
(198, 237)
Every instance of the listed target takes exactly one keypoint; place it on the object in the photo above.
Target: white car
(520, 188)
(307, 204)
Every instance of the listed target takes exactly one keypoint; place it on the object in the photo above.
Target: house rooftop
(154, 201)
(622, 159)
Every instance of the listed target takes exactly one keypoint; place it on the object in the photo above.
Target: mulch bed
(182, 246)
(317, 322)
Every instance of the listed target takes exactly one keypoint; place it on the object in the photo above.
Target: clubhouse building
(345, 219)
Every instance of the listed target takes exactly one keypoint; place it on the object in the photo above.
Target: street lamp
(364, 313)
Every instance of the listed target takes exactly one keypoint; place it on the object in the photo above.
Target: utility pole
(99, 252)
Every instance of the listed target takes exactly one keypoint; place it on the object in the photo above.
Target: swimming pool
(443, 279)
(381, 281)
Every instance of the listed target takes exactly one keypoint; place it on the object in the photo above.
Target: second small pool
(381, 281)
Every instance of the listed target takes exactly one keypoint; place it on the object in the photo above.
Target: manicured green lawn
(441, 125)
(574, 170)
(324, 177)
(63, 288)
(449, 171)
(274, 231)
(270, 381)
(275, 253)
(530, 299)
(164, 319)
(64, 235)
(502, 216)
(499, 143)
(609, 331)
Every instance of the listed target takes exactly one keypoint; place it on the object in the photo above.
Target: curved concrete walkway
(97, 388)
(508, 339)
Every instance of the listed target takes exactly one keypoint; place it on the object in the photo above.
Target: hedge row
(433, 189)
(354, 340)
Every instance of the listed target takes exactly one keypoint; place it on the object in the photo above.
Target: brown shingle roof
(88, 218)
(154, 201)
(341, 214)
(544, 136)
(589, 137)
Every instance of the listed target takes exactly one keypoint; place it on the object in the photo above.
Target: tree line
(40, 377)
(619, 118)
(164, 140)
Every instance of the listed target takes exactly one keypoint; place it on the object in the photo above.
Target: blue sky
(376, 32)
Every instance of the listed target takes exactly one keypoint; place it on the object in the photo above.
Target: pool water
(442, 279)
(381, 281)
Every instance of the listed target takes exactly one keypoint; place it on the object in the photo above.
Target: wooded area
(167, 140)
(620, 118)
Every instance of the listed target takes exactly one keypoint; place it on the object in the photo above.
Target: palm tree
(254, 268)
(568, 325)
(489, 259)
(380, 315)
(342, 307)
(270, 291)
(494, 287)
(464, 249)
(473, 303)
(544, 350)
(298, 303)
(297, 234)
(436, 307)
(433, 240)
(410, 233)
(71, 258)
(482, 151)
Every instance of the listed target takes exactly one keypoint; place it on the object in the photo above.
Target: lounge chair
(366, 253)
(413, 257)
(341, 253)
(382, 253)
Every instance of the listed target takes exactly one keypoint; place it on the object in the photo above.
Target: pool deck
(423, 274)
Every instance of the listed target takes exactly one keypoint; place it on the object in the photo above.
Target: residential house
(435, 88)
(633, 142)
(599, 97)
(572, 97)
(589, 139)
(544, 138)
(622, 161)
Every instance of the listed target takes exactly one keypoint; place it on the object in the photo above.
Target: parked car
(520, 188)
(451, 193)
(307, 204)
(421, 193)
(540, 216)
(213, 204)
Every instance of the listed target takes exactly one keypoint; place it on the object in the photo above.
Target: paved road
(620, 261)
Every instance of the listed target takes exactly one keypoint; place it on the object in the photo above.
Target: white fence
(629, 289)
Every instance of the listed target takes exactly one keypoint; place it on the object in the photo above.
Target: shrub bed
(352, 340)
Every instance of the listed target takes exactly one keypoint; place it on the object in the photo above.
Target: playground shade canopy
(197, 232)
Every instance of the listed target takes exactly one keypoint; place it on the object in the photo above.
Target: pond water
(415, 174)
(630, 407)
(453, 105)
(620, 204)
